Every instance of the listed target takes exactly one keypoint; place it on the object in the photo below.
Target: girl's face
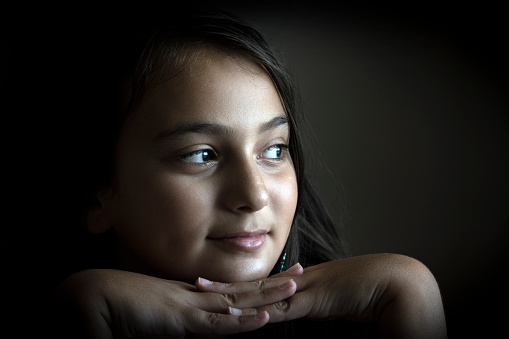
(206, 186)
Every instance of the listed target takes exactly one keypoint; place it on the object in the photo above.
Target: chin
(241, 273)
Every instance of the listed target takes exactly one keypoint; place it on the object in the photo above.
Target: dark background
(408, 105)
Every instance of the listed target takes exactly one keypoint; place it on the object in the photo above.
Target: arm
(397, 292)
(106, 303)
(412, 307)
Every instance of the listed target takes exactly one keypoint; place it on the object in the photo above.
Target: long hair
(157, 51)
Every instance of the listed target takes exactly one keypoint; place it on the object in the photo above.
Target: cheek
(162, 215)
(284, 196)
(177, 206)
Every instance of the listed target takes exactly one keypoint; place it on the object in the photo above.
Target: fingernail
(261, 315)
(294, 267)
(286, 285)
(203, 281)
(234, 311)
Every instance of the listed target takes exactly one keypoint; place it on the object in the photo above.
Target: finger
(284, 310)
(217, 323)
(205, 285)
(262, 295)
(293, 271)
(244, 311)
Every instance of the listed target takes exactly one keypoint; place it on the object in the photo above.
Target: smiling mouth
(242, 241)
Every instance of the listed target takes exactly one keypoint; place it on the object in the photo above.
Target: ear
(100, 212)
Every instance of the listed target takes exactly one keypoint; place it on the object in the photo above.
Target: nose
(245, 189)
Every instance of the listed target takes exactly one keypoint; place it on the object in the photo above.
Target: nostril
(245, 190)
(252, 198)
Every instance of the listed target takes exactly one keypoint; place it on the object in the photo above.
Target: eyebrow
(214, 129)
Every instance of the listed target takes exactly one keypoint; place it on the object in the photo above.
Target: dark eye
(274, 152)
(199, 156)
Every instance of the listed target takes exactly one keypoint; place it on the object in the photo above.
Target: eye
(275, 152)
(201, 156)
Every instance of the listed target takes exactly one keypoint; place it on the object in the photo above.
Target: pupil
(205, 156)
(276, 152)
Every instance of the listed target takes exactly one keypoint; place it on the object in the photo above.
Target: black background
(409, 105)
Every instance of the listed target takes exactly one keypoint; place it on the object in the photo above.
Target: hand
(124, 303)
(396, 291)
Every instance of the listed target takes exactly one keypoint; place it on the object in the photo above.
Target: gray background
(409, 109)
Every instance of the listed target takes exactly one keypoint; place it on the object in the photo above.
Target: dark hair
(112, 70)
(152, 50)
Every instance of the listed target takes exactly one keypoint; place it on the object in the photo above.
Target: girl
(206, 207)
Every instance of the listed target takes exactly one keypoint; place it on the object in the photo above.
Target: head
(206, 165)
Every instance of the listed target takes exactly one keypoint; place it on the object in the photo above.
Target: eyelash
(187, 156)
(282, 154)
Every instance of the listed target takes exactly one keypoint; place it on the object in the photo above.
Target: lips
(242, 241)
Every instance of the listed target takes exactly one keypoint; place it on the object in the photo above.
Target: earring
(282, 264)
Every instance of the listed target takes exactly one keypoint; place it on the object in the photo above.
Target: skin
(173, 205)
(157, 295)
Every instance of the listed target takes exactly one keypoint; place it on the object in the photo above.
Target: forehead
(214, 87)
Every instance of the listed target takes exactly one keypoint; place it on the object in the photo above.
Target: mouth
(242, 241)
